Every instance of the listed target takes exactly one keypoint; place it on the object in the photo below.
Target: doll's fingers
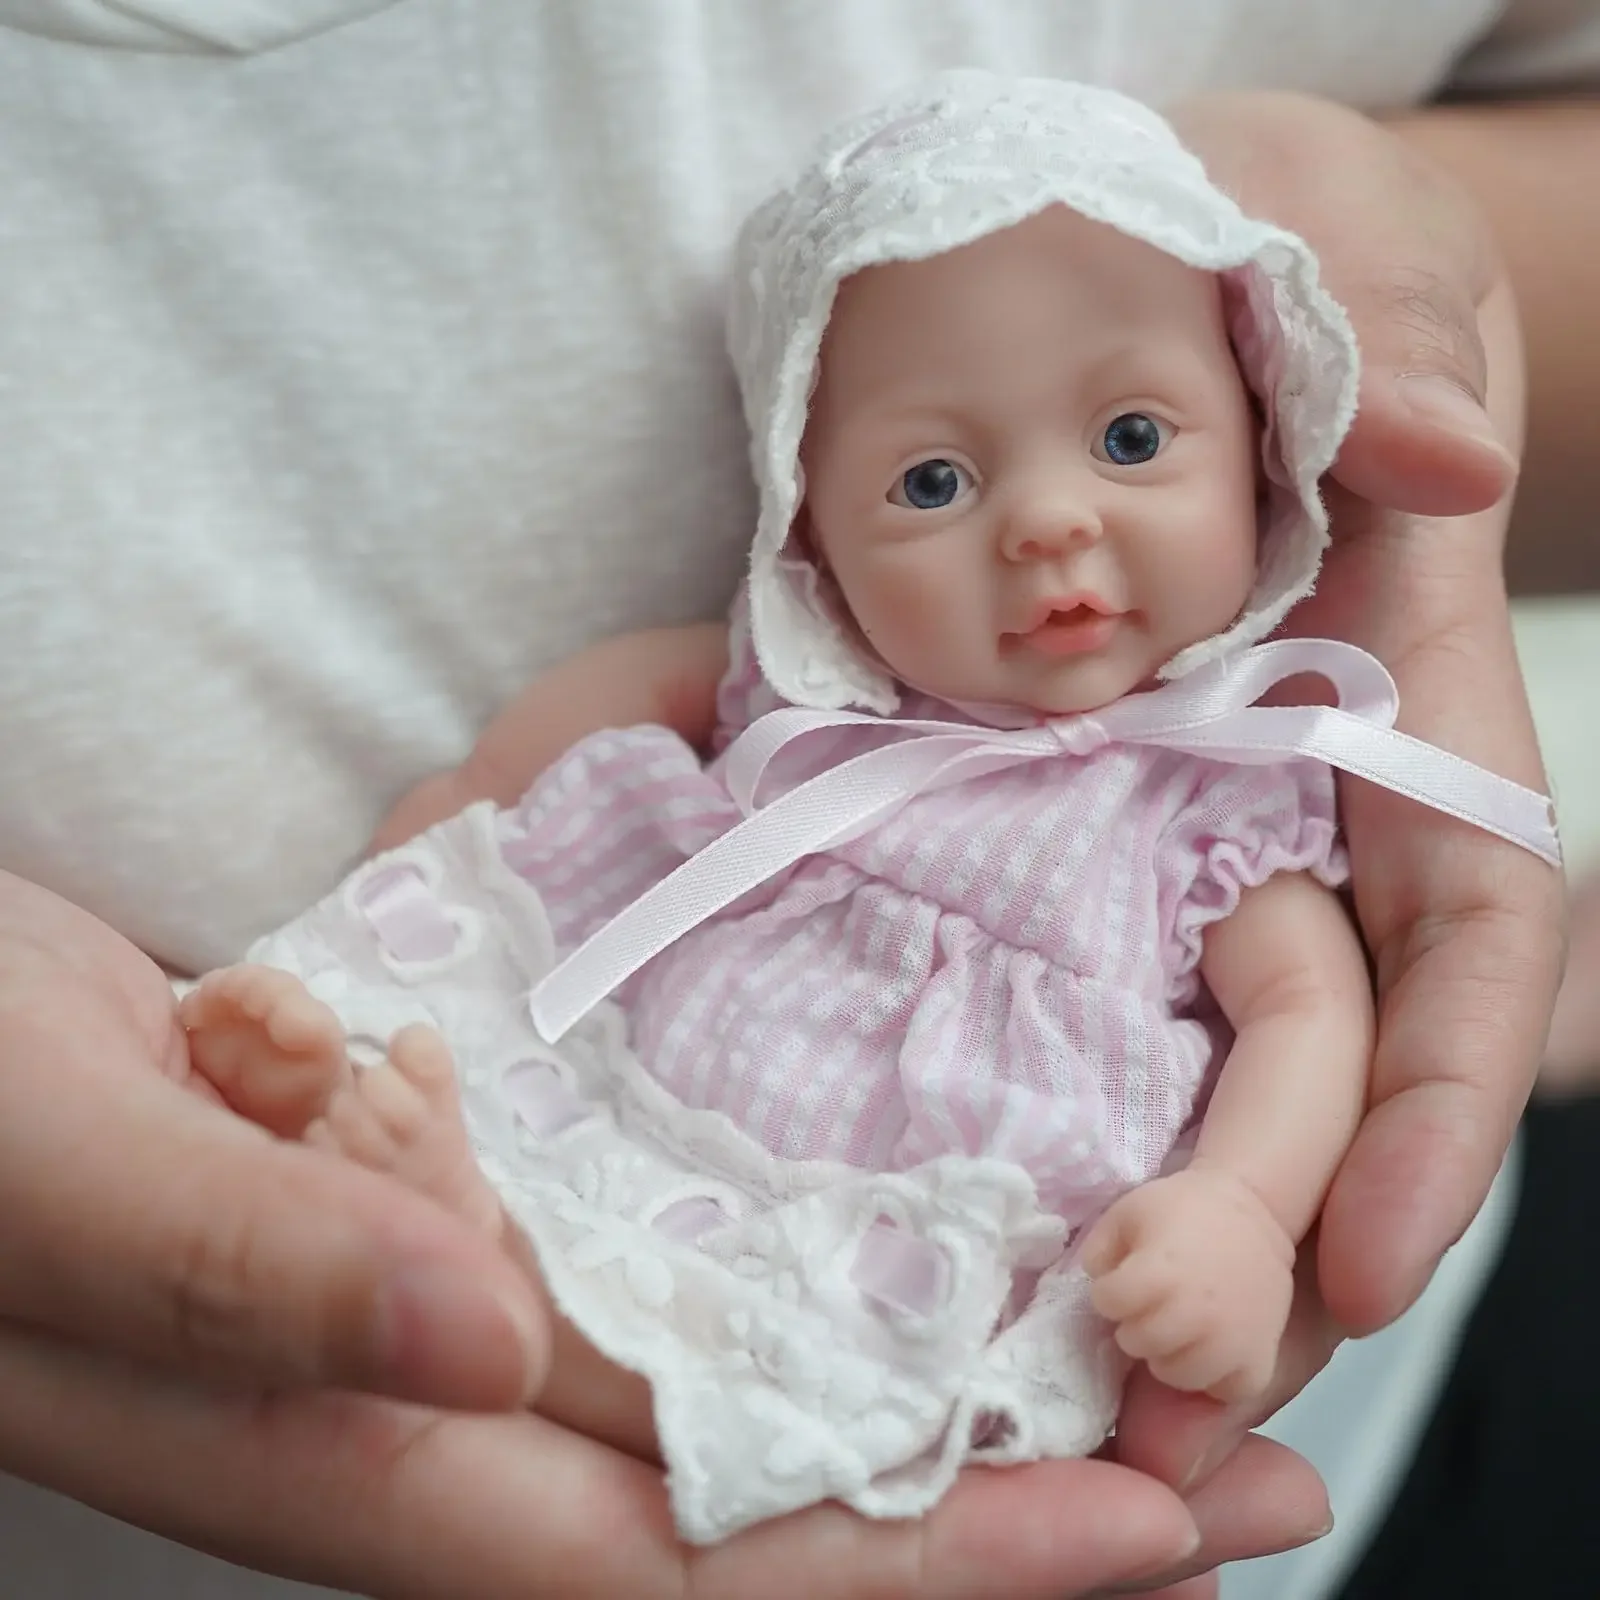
(1173, 1340)
(1245, 1383)
(1111, 1238)
(1194, 1368)
(1183, 1439)
(1177, 1322)
(1132, 1288)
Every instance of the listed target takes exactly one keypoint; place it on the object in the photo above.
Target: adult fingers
(144, 1219)
(1206, 1587)
(1052, 1530)
(1264, 1499)
(1422, 440)
(406, 1504)
(1466, 931)
(1404, 250)
(1467, 984)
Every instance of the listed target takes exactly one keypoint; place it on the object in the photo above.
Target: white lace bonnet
(963, 156)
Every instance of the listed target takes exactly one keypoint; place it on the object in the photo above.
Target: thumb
(1422, 441)
(147, 1221)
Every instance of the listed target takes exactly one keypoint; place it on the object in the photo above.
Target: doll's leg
(270, 1049)
(403, 1117)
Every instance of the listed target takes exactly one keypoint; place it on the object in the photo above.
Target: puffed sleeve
(1240, 826)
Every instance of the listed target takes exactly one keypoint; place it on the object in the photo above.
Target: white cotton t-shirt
(360, 357)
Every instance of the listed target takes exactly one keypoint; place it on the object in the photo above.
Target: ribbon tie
(1211, 713)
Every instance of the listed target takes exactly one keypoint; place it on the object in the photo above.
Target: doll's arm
(1196, 1269)
(1289, 973)
(663, 676)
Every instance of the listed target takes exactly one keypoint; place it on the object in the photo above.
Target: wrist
(1248, 1203)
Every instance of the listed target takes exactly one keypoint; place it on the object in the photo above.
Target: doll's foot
(1198, 1276)
(403, 1117)
(271, 1050)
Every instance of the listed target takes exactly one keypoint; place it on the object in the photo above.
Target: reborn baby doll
(982, 1016)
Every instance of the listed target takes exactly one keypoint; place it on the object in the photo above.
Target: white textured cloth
(342, 387)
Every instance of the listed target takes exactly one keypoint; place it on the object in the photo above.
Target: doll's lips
(1075, 626)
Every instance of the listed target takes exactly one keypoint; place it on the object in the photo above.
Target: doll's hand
(1197, 1274)
(1466, 932)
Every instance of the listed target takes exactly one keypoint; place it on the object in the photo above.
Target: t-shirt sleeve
(1242, 826)
(1536, 45)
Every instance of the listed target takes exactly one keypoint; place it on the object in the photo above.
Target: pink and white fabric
(817, 1168)
(1008, 971)
(802, 1071)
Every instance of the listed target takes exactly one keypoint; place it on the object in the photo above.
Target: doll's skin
(1031, 475)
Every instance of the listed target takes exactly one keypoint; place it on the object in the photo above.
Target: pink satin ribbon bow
(1211, 713)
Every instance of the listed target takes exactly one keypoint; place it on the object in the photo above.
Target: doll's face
(1031, 465)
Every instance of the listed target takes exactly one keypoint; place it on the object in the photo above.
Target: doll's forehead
(1056, 252)
(1057, 280)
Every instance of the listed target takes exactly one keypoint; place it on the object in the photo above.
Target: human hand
(1197, 1274)
(1465, 930)
(186, 1306)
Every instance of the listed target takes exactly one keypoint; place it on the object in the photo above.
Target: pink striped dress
(1007, 969)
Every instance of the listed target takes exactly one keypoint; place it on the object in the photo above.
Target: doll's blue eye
(1132, 439)
(930, 485)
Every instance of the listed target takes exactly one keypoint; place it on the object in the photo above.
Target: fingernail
(1445, 404)
(445, 1337)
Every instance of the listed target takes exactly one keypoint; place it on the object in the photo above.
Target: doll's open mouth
(1070, 630)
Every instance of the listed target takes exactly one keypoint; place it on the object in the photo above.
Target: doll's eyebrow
(1128, 364)
(916, 417)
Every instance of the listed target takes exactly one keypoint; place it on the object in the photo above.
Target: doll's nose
(1043, 526)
